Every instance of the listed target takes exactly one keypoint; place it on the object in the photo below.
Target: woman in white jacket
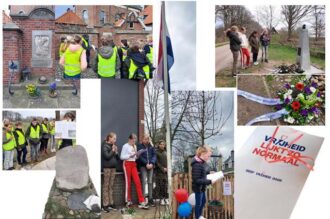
(129, 155)
(245, 53)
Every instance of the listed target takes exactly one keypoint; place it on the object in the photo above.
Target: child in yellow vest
(33, 136)
(8, 146)
(52, 136)
(21, 144)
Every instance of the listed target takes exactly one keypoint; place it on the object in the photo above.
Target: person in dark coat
(136, 65)
(235, 46)
(161, 172)
(265, 41)
(110, 159)
(146, 163)
(254, 43)
(199, 172)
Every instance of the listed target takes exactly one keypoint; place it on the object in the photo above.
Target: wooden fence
(214, 192)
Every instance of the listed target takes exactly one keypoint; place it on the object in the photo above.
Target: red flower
(295, 105)
(300, 86)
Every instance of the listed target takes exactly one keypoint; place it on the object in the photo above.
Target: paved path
(223, 58)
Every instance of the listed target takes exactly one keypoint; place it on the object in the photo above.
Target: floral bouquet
(302, 100)
(52, 89)
(32, 90)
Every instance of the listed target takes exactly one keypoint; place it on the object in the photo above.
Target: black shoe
(266, 60)
(151, 203)
(112, 207)
(75, 92)
(106, 209)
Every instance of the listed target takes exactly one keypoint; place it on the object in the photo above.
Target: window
(102, 17)
(130, 21)
(85, 15)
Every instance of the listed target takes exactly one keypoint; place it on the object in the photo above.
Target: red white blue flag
(168, 52)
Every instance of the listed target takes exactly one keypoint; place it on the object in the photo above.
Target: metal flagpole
(166, 103)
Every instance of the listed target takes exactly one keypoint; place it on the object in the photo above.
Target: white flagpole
(166, 103)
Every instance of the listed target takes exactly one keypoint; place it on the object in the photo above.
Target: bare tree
(318, 13)
(265, 15)
(293, 14)
(234, 15)
(154, 113)
(196, 117)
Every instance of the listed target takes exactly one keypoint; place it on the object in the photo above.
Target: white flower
(289, 91)
(312, 89)
(287, 96)
(311, 116)
(289, 120)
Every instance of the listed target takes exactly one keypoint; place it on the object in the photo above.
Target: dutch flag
(169, 52)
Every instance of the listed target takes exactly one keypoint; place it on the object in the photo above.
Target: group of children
(239, 45)
(37, 136)
(127, 60)
(151, 162)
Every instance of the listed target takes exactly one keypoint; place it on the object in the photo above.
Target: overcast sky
(181, 24)
(225, 142)
(36, 113)
(280, 22)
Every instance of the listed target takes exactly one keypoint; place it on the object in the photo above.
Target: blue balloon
(184, 209)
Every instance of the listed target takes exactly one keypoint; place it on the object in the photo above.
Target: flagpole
(166, 105)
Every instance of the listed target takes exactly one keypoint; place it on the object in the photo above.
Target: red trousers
(245, 53)
(130, 171)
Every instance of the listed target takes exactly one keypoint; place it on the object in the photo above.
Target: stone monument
(42, 49)
(303, 55)
(72, 187)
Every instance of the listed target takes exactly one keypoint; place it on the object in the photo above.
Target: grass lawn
(287, 53)
(225, 79)
(221, 44)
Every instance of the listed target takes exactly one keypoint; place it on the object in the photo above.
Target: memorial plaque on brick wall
(42, 49)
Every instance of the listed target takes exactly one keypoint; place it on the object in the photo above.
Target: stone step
(61, 85)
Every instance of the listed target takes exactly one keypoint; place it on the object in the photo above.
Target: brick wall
(27, 26)
(12, 50)
(27, 9)
(119, 190)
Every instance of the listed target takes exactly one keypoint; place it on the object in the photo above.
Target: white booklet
(65, 129)
(215, 176)
(271, 170)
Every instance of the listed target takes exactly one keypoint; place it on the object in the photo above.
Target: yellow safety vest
(72, 62)
(133, 68)
(150, 54)
(124, 52)
(11, 144)
(85, 42)
(35, 133)
(21, 137)
(44, 128)
(60, 49)
(52, 129)
(107, 67)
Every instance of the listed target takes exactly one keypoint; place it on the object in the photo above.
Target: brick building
(28, 41)
(31, 35)
(121, 22)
